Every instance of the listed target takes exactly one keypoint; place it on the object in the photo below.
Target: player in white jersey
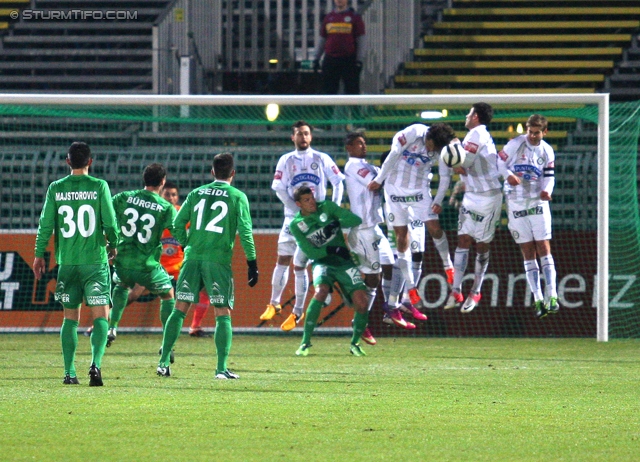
(481, 205)
(527, 163)
(367, 241)
(407, 175)
(302, 167)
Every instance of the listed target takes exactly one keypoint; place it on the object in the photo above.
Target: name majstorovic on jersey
(76, 196)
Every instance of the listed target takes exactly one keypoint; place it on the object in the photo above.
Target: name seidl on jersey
(213, 192)
(76, 195)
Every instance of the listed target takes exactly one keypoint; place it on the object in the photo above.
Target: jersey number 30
(86, 221)
(211, 226)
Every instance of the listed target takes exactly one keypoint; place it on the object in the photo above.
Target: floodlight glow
(273, 111)
(273, 61)
(519, 128)
(431, 115)
(445, 113)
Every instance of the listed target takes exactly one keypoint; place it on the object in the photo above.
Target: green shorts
(156, 281)
(215, 278)
(89, 282)
(347, 276)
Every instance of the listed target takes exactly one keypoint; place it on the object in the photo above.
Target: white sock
(386, 288)
(372, 296)
(416, 270)
(397, 283)
(460, 261)
(279, 282)
(549, 271)
(482, 262)
(404, 263)
(302, 285)
(442, 246)
(533, 278)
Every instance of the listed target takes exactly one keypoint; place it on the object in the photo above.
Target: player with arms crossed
(79, 211)
(527, 163)
(214, 212)
(367, 240)
(407, 175)
(303, 167)
(317, 228)
(143, 215)
(481, 205)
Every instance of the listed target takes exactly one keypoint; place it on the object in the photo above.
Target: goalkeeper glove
(253, 272)
(339, 251)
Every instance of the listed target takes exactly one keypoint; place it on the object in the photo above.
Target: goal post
(183, 111)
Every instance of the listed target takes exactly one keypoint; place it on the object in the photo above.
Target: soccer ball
(453, 155)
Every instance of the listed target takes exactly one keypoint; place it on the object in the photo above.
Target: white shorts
(529, 220)
(402, 209)
(287, 245)
(479, 215)
(372, 248)
(416, 236)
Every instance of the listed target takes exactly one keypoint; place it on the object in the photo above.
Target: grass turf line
(411, 399)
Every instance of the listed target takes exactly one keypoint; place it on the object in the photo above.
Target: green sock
(69, 340)
(222, 337)
(98, 340)
(311, 319)
(360, 321)
(171, 333)
(119, 300)
(166, 307)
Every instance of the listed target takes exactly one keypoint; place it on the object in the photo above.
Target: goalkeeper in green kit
(214, 212)
(317, 228)
(78, 211)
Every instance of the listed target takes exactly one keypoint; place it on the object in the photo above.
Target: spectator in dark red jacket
(342, 44)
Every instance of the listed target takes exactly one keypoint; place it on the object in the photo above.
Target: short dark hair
(79, 154)
(352, 136)
(441, 134)
(537, 120)
(301, 123)
(223, 165)
(484, 112)
(154, 174)
(301, 191)
(170, 185)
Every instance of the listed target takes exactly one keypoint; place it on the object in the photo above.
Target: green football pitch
(408, 399)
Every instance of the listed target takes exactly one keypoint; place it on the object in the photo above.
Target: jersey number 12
(211, 226)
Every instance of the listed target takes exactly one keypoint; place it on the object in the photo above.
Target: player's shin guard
(360, 321)
(222, 338)
(279, 281)
(69, 341)
(549, 271)
(302, 286)
(119, 299)
(166, 307)
(482, 263)
(311, 319)
(460, 261)
(442, 246)
(533, 278)
(171, 333)
(98, 340)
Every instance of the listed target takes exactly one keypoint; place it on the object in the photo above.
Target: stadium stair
(533, 46)
(87, 56)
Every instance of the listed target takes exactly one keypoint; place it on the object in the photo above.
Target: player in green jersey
(78, 211)
(214, 212)
(142, 216)
(317, 228)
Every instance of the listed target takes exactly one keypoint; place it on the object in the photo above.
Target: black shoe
(199, 333)
(163, 371)
(172, 356)
(68, 380)
(95, 376)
